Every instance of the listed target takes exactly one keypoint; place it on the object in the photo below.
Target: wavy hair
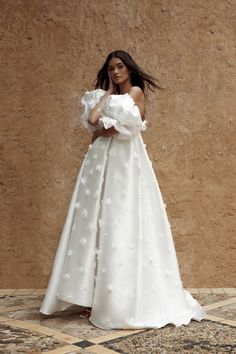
(138, 76)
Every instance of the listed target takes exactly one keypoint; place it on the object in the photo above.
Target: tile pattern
(194, 338)
(23, 326)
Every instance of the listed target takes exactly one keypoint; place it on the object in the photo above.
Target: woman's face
(118, 71)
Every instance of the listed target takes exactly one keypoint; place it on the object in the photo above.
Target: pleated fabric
(116, 252)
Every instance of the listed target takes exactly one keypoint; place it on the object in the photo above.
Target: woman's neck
(125, 87)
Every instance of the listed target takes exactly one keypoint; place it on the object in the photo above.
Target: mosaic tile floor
(24, 330)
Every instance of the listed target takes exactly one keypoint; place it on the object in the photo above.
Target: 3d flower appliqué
(100, 222)
(110, 288)
(82, 180)
(107, 201)
(140, 236)
(115, 178)
(66, 276)
(84, 214)
(131, 297)
(98, 168)
(163, 206)
(87, 192)
(116, 222)
(96, 195)
(81, 269)
(98, 252)
(83, 241)
(90, 227)
(150, 261)
(113, 152)
(114, 246)
(69, 253)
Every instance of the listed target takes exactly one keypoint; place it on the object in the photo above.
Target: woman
(116, 253)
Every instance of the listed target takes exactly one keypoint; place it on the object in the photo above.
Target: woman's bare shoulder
(136, 92)
(138, 96)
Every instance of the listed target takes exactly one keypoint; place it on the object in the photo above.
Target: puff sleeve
(88, 101)
(121, 112)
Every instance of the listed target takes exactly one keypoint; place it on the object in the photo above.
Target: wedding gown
(116, 253)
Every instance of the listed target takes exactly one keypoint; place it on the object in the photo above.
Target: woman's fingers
(112, 86)
(110, 82)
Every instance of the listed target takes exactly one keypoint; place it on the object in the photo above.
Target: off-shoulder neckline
(123, 94)
(135, 104)
(116, 94)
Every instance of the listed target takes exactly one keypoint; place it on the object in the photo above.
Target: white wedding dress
(116, 253)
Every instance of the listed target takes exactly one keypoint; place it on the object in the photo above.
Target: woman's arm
(138, 96)
(104, 132)
(95, 113)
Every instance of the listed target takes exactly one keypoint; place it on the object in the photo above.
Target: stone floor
(25, 330)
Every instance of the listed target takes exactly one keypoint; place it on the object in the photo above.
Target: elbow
(94, 117)
(92, 121)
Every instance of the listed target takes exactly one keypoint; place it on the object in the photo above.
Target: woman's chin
(117, 81)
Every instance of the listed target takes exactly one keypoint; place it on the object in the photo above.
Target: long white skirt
(116, 252)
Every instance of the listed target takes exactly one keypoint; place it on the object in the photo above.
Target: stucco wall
(50, 53)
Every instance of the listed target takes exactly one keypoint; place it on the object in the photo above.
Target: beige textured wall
(50, 53)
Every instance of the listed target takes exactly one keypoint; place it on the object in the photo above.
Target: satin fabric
(116, 252)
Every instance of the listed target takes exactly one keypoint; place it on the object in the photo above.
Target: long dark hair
(137, 75)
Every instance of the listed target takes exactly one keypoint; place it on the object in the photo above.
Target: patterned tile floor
(25, 330)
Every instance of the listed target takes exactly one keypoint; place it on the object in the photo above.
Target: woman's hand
(104, 132)
(112, 85)
(95, 112)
